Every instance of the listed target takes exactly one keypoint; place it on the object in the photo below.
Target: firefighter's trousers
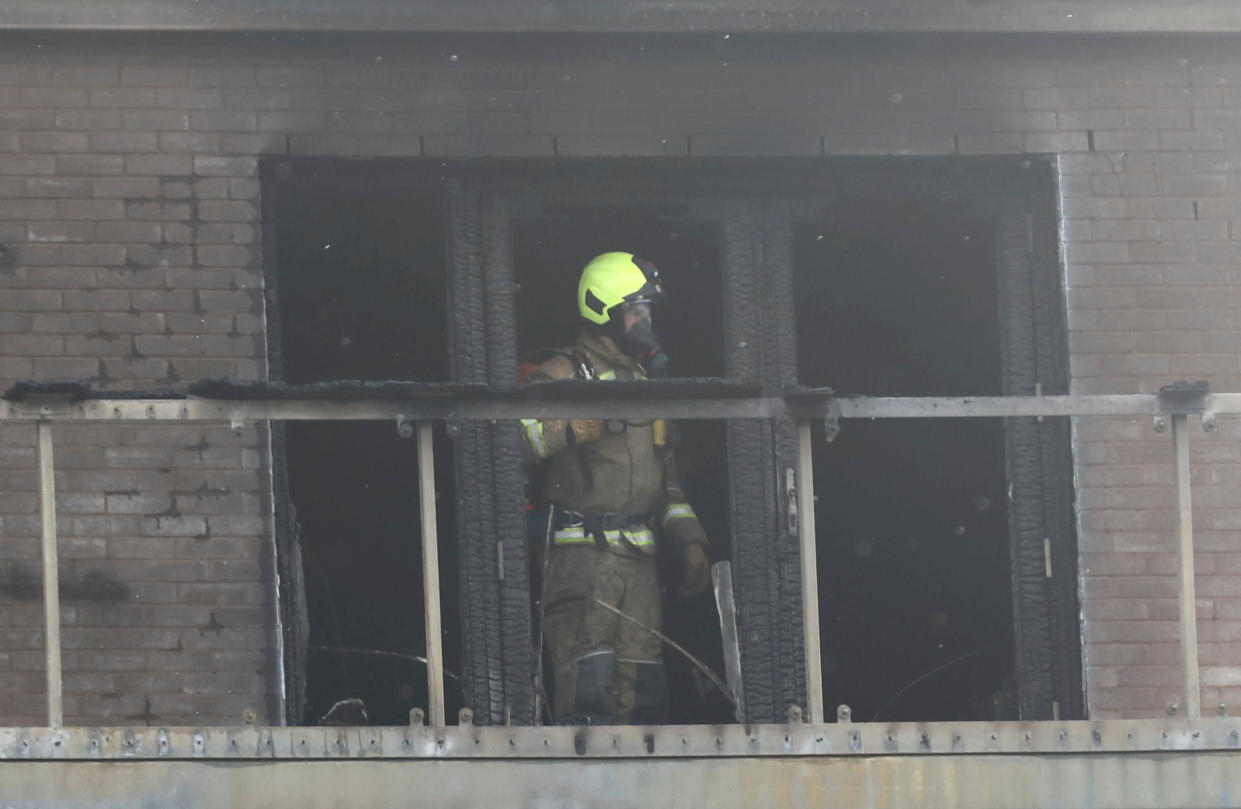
(606, 670)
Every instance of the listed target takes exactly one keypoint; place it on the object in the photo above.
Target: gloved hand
(697, 570)
(583, 431)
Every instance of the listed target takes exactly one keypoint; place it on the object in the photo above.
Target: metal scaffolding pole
(51, 578)
(430, 576)
(1185, 536)
(809, 573)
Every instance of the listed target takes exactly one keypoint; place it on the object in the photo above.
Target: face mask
(642, 343)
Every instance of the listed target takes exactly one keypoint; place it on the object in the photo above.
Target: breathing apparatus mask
(633, 331)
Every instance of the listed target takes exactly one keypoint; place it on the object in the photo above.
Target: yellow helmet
(615, 278)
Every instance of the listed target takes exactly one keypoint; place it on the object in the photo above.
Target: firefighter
(615, 497)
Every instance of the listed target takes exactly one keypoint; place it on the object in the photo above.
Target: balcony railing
(413, 408)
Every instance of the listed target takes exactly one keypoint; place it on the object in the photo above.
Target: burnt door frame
(1016, 198)
(282, 179)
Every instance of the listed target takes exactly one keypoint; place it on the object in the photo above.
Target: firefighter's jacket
(622, 474)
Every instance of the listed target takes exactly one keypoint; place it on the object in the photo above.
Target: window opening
(549, 254)
(360, 295)
(899, 297)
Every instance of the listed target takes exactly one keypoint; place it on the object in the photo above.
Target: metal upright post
(1185, 535)
(809, 573)
(51, 578)
(430, 576)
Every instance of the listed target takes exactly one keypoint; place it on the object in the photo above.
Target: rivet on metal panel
(924, 742)
(200, 744)
(1161, 424)
(163, 743)
(417, 716)
(993, 741)
(249, 716)
(889, 743)
(236, 425)
(465, 716)
(855, 741)
(844, 714)
(404, 428)
(795, 714)
(1208, 422)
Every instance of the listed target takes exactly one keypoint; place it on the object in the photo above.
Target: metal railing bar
(51, 577)
(809, 573)
(430, 576)
(191, 410)
(1138, 404)
(1187, 606)
(743, 407)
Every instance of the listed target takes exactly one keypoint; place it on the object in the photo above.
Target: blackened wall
(129, 210)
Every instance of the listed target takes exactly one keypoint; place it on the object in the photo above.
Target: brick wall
(129, 203)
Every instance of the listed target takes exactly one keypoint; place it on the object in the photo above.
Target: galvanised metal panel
(989, 766)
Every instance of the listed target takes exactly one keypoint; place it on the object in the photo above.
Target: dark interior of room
(549, 253)
(360, 263)
(898, 297)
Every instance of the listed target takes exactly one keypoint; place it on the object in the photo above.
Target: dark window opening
(549, 254)
(359, 283)
(900, 298)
